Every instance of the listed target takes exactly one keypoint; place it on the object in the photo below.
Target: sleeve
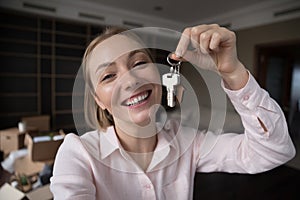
(72, 175)
(265, 143)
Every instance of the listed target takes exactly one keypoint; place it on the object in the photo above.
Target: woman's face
(128, 83)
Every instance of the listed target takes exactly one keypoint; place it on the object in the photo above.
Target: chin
(141, 119)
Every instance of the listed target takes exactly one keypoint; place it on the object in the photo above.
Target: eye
(140, 63)
(108, 77)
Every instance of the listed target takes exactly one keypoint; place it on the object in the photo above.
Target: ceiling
(187, 11)
(174, 14)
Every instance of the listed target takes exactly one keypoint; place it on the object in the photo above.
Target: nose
(130, 80)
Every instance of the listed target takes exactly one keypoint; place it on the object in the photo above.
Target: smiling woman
(159, 158)
(102, 75)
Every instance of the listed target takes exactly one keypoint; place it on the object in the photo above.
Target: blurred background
(42, 43)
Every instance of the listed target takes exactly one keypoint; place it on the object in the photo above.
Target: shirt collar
(109, 141)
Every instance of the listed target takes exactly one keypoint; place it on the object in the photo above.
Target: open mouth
(137, 99)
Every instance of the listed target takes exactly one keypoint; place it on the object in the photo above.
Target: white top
(95, 166)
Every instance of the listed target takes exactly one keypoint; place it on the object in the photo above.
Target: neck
(139, 140)
(140, 149)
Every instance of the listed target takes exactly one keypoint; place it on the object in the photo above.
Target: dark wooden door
(274, 69)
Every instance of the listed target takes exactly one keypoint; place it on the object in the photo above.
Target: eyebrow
(105, 65)
(131, 54)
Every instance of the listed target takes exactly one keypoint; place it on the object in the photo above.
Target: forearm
(264, 145)
(265, 126)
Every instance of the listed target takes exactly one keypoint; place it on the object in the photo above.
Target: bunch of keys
(171, 80)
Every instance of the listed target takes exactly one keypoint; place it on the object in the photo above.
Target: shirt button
(148, 186)
(168, 125)
(246, 97)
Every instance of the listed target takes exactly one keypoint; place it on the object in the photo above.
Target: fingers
(183, 43)
(201, 35)
(206, 38)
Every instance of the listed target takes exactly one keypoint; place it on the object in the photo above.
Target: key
(171, 80)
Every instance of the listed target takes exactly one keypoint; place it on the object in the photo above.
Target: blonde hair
(96, 117)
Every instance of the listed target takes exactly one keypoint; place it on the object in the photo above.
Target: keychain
(171, 80)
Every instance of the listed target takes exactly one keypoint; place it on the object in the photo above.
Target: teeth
(137, 99)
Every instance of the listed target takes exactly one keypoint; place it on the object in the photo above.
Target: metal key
(171, 80)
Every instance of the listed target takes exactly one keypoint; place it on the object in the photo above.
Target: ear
(99, 102)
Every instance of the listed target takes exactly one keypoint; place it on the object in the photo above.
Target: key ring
(174, 63)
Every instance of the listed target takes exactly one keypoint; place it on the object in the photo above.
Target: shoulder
(73, 159)
(70, 141)
(74, 144)
(88, 137)
(91, 142)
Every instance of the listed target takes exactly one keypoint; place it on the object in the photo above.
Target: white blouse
(95, 166)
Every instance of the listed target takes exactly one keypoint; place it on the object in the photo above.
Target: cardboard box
(41, 122)
(39, 154)
(11, 139)
(44, 151)
(10, 193)
(28, 167)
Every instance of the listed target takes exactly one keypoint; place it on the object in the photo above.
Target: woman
(129, 157)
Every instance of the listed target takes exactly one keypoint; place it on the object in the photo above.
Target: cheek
(153, 76)
(104, 95)
(158, 93)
